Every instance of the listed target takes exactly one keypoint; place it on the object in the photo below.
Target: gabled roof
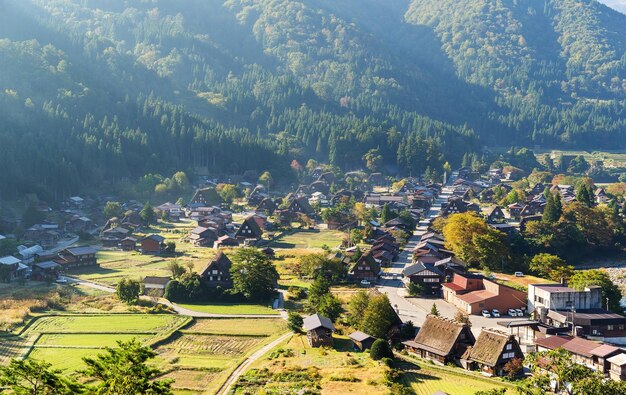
(220, 261)
(317, 321)
(157, 238)
(253, 225)
(489, 346)
(156, 280)
(86, 250)
(421, 268)
(619, 359)
(360, 336)
(439, 335)
(552, 342)
(9, 260)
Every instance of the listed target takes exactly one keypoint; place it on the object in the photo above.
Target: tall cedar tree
(124, 370)
(253, 275)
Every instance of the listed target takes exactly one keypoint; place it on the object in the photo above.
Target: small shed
(153, 285)
(319, 330)
(618, 367)
(362, 340)
(128, 244)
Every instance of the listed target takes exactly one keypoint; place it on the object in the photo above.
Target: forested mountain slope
(98, 91)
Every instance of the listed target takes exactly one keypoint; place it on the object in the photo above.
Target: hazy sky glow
(619, 5)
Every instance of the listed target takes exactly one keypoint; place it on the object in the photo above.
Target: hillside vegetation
(95, 92)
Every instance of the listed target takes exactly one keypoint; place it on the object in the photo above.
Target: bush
(388, 362)
(295, 322)
(380, 349)
(415, 289)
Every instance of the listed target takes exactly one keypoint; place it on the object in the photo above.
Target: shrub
(295, 322)
(380, 349)
(388, 362)
(415, 289)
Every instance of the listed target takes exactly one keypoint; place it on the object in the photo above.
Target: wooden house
(301, 205)
(362, 341)
(249, 230)
(45, 271)
(152, 244)
(493, 349)
(494, 215)
(74, 257)
(365, 268)
(128, 244)
(202, 237)
(426, 275)
(155, 286)
(319, 330)
(206, 197)
(225, 241)
(618, 367)
(217, 272)
(441, 340)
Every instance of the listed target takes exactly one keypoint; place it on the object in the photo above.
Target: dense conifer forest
(96, 92)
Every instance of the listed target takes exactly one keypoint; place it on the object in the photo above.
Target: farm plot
(309, 239)
(81, 340)
(210, 349)
(231, 346)
(236, 326)
(65, 339)
(192, 380)
(426, 380)
(12, 347)
(106, 323)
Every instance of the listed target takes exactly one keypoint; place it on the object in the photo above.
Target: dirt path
(234, 376)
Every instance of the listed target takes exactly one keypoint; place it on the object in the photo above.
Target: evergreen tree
(434, 310)
(553, 210)
(385, 214)
(148, 214)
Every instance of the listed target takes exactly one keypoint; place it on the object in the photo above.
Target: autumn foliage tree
(475, 242)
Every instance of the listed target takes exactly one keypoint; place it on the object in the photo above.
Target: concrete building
(543, 297)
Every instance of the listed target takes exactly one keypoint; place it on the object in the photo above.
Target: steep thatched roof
(439, 335)
(488, 347)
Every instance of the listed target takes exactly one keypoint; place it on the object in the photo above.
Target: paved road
(175, 307)
(234, 376)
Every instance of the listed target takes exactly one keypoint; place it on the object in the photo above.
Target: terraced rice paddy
(65, 339)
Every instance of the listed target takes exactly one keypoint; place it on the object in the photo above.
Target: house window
(609, 327)
(431, 280)
(367, 268)
(508, 355)
(621, 327)
(509, 347)
(214, 271)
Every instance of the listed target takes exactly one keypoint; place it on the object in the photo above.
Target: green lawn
(236, 326)
(106, 323)
(68, 359)
(230, 308)
(309, 239)
(87, 340)
(426, 379)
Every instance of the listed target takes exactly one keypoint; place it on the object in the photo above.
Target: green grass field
(89, 340)
(426, 379)
(237, 326)
(106, 323)
(65, 339)
(230, 308)
(310, 239)
(213, 348)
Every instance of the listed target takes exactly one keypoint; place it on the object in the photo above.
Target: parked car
(61, 280)
(495, 313)
(365, 283)
(512, 312)
(519, 274)
(519, 312)
(486, 314)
